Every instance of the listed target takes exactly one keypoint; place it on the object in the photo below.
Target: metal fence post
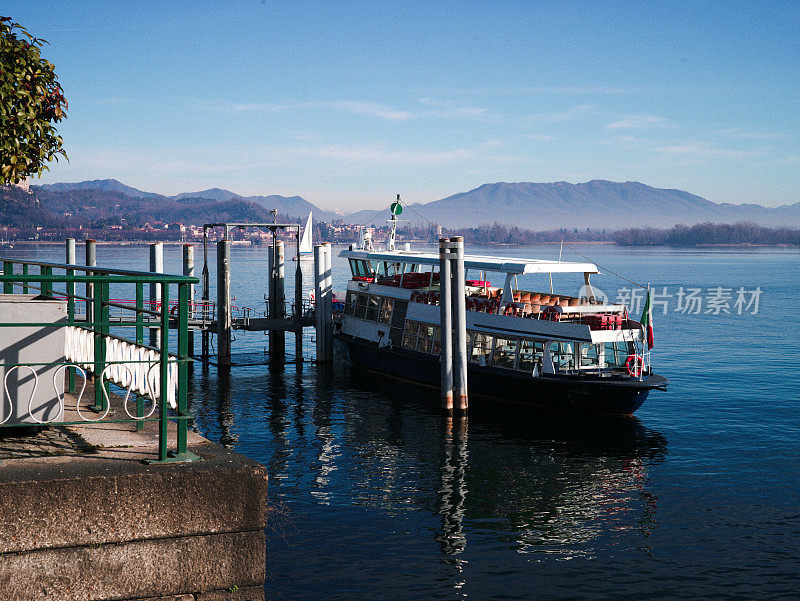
(70, 304)
(140, 340)
(25, 281)
(47, 285)
(100, 316)
(183, 453)
(8, 269)
(91, 261)
(163, 374)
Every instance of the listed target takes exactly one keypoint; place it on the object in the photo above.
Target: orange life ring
(634, 365)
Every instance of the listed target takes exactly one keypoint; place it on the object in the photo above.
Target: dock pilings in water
(323, 295)
(453, 330)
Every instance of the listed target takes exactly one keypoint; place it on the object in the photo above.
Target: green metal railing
(58, 281)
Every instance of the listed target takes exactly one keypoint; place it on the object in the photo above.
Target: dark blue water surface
(376, 494)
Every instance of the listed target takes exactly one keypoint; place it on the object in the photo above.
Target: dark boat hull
(591, 394)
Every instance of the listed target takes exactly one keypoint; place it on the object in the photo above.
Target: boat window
(481, 349)
(361, 306)
(425, 338)
(373, 305)
(530, 354)
(562, 355)
(410, 334)
(360, 268)
(616, 353)
(505, 350)
(350, 302)
(590, 355)
(386, 311)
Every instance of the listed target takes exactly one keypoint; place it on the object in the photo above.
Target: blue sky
(349, 103)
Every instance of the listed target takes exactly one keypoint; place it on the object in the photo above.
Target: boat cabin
(393, 299)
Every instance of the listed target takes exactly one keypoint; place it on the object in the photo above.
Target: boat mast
(396, 209)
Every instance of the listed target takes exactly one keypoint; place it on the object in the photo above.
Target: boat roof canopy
(479, 262)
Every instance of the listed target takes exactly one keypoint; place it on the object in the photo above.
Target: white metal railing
(128, 364)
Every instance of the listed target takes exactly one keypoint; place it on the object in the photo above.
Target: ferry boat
(525, 346)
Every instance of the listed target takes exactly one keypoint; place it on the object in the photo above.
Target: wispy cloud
(567, 91)
(705, 150)
(559, 116)
(366, 108)
(738, 133)
(639, 122)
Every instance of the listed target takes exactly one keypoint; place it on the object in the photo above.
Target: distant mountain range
(597, 204)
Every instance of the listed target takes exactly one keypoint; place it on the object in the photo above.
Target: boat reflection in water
(366, 474)
(561, 483)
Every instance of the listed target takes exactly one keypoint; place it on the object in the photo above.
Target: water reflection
(453, 490)
(551, 483)
(502, 480)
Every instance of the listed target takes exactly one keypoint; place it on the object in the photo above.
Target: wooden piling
(224, 303)
(446, 325)
(460, 343)
(156, 266)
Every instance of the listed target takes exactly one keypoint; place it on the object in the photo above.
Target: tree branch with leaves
(31, 103)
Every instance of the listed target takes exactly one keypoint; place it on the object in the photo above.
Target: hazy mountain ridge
(597, 204)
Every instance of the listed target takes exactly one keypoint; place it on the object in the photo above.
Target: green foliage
(31, 101)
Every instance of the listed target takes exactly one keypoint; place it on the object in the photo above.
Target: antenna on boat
(396, 210)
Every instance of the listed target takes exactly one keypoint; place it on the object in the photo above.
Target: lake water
(376, 494)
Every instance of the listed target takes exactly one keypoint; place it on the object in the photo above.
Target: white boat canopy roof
(483, 263)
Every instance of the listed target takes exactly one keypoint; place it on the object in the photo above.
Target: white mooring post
(298, 306)
(446, 325)
(277, 338)
(156, 266)
(70, 251)
(319, 311)
(224, 303)
(188, 270)
(460, 341)
(91, 261)
(328, 302)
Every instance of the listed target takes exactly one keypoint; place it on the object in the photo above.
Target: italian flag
(647, 320)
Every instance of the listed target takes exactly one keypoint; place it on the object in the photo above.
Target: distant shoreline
(137, 243)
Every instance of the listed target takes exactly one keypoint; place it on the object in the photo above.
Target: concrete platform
(83, 517)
